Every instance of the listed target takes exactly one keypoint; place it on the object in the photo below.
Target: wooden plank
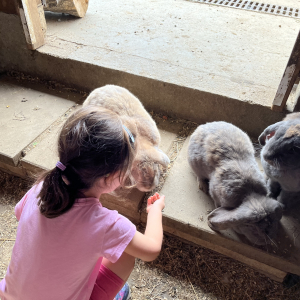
(40, 7)
(33, 21)
(296, 98)
(289, 78)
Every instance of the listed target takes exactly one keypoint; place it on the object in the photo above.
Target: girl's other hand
(156, 200)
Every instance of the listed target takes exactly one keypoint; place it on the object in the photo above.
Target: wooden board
(33, 21)
(289, 78)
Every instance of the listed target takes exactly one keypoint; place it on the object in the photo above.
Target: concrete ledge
(165, 86)
(25, 113)
(16, 171)
(167, 98)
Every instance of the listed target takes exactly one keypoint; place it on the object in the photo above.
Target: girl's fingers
(149, 202)
(156, 196)
(153, 198)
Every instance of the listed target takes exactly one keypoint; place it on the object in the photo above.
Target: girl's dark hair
(91, 144)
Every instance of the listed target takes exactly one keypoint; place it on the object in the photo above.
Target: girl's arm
(147, 246)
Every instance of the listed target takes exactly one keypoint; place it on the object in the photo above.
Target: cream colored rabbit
(149, 158)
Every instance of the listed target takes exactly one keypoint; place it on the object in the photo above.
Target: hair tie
(129, 133)
(60, 165)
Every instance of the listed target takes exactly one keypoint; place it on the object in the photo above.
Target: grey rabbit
(222, 156)
(280, 158)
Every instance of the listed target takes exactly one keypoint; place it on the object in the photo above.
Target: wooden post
(33, 21)
(289, 78)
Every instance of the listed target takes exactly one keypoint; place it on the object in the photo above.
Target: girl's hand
(156, 200)
(147, 246)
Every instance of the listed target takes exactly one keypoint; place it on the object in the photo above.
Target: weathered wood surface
(33, 21)
(289, 78)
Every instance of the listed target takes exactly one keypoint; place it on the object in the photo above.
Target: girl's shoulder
(29, 197)
(35, 189)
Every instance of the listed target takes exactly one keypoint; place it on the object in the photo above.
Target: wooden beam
(33, 21)
(289, 78)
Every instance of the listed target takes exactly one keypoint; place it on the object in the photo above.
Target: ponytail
(55, 197)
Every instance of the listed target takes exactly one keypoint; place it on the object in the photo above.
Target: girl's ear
(110, 177)
(106, 180)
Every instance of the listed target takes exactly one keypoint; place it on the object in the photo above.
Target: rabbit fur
(146, 164)
(280, 158)
(222, 156)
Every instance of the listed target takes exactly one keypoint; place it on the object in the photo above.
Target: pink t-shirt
(60, 258)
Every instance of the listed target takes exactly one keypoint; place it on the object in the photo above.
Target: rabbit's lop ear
(165, 159)
(268, 133)
(223, 218)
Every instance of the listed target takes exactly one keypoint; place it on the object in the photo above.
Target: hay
(188, 271)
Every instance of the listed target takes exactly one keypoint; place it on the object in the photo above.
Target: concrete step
(186, 209)
(26, 112)
(188, 60)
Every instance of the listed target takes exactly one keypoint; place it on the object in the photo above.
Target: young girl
(69, 247)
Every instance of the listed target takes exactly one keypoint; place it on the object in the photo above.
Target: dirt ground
(182, 271)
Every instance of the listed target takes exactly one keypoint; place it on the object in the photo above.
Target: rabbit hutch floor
(28, 149)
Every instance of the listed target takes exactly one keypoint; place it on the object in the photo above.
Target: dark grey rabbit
(280, 158)
(222, 156)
